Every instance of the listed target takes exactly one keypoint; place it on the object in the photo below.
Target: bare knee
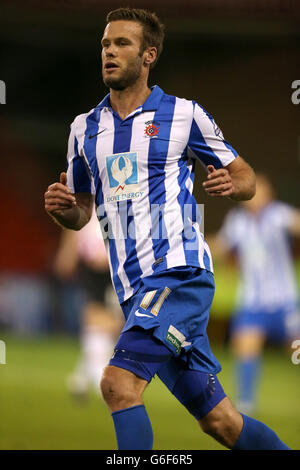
(121, 388)
(224, 423)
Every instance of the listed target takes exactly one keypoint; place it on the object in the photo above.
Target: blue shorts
(165, 334)
(278, 325)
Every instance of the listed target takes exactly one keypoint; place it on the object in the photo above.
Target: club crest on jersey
(152, 129)
(122, 172)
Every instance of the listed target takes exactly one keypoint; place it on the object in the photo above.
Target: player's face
(122, 59)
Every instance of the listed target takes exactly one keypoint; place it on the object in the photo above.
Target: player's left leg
(223, 423)
(238, 431)
(203, 396)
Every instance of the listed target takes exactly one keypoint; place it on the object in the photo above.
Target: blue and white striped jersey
(141, 171)
(261, 242)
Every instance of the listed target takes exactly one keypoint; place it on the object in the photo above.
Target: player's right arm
(69, 210)
(70, 201)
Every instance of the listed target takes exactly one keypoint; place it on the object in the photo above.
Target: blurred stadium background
(238, 59)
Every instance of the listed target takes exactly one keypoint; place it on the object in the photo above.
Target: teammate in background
(259, 233)
(134, 155)
(82, 255)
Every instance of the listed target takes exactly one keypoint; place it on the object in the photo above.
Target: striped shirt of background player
(261, 241)
(166, 176)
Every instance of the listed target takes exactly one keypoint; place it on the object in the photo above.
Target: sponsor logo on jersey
(123, 177)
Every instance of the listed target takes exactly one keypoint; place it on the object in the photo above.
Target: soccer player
(259, 233)
(134, 153)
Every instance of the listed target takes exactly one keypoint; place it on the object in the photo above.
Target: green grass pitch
(37, 412)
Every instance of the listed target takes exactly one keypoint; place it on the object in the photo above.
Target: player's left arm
(236, 181)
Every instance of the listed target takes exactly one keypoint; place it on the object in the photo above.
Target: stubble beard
(127, 78)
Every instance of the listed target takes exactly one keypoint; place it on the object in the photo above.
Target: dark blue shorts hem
(131, 366)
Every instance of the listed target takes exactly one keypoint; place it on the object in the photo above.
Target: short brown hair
(153, 29)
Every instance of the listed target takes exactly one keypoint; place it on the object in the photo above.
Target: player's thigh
(137, 357)
(248, 342)
(200, 392)
(203, 396)
(140, 353)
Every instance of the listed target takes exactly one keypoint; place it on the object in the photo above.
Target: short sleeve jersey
(262, 244)
(141, 171)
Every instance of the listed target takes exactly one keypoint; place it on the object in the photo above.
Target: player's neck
(124, 102)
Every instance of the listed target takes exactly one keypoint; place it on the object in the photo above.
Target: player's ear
(150, 55)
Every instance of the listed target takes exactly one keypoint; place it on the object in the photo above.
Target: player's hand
(58, 197)
(218, 183)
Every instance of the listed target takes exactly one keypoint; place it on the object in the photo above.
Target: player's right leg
(121, 388)
(247, 345)
(248, 331)
(136, 359)
(122, 391)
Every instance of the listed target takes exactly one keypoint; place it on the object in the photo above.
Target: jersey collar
(151, 103)
(153, 100)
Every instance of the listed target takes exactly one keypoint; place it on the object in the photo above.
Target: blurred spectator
(258, 232)
(82, 255)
